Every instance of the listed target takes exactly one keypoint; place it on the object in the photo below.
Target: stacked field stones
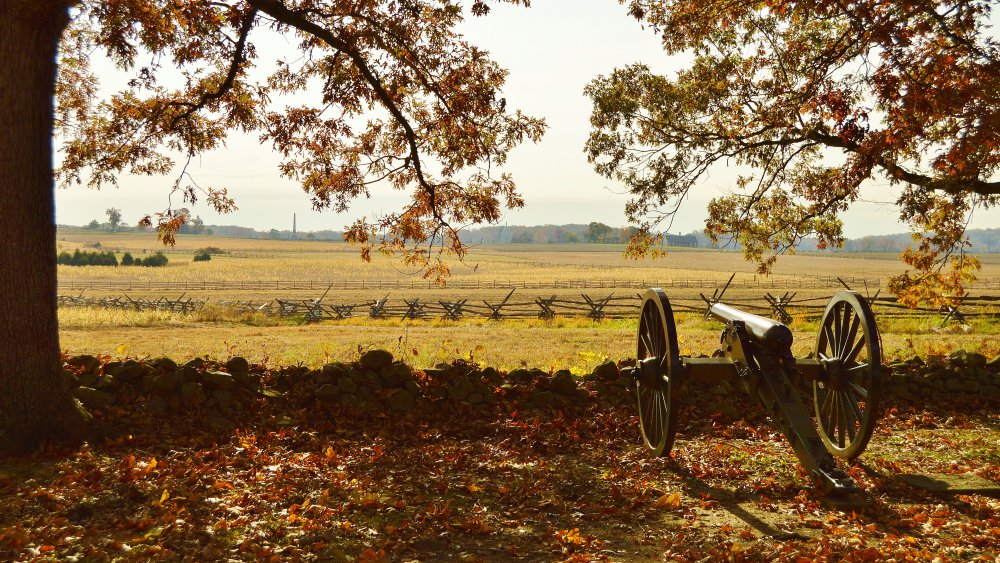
(612, 386)
(379, 383)
(375, 378)
(165, 385)
(960, 373)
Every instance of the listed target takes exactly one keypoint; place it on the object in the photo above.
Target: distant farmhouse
(689, 241)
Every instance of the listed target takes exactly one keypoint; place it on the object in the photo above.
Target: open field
(578, 344)
(486, 276)
(499, 265)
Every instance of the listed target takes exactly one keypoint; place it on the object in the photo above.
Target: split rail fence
(179, 305)
(508, 306)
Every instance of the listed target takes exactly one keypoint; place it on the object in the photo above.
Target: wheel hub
(650, 374)
(835, 375)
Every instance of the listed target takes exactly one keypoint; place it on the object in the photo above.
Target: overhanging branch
(239, 57)
(894, 170)
(281, 13)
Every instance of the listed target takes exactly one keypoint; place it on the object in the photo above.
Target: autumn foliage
(815, 102)
(401, 98)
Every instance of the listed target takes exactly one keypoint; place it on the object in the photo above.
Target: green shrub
(127, 259)
(87, 258)
(154, 261)
(202, 257)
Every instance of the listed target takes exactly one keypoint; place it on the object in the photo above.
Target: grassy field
(331, 261)
(578, 344)
(565, 342)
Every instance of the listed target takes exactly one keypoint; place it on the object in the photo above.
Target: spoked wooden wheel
(847, 399)
(659, 366)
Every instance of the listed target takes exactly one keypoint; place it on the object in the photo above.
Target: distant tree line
(87, 258)
(236, 231)
(108, 258)
(152, 261)
(982, 240)
(594, 232)
(191, 226)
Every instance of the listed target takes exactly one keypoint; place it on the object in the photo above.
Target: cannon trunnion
(842, 375)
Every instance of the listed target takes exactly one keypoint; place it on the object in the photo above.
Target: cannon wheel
(847, 402)
(656, 388)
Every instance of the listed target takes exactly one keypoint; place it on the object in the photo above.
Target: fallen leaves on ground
(281, 482)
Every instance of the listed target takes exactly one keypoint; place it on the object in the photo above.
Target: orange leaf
(670, 501)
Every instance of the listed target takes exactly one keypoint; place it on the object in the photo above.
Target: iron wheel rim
(847, 405)
(657, 399)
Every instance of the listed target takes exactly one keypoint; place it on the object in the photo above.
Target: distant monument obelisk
(295, 235)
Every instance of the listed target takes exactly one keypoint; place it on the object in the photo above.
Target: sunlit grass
(255, 259)
(95, 317)
(574, 343)
(87, 317)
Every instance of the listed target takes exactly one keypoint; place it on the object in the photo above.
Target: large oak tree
(401, 98)
(811, 99)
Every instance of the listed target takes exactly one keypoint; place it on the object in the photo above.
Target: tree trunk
(35, 405)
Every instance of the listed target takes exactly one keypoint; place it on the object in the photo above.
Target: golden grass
(78, 318)
(561, 343)
(577, 344)
(275, 260)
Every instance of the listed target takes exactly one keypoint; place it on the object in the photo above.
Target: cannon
(842, 378)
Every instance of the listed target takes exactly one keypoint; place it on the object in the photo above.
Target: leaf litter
(284, 482)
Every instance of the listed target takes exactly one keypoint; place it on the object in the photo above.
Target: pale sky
(552, 50)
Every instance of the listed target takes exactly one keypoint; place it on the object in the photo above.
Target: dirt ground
(283, 482)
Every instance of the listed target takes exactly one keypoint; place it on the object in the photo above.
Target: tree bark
(35, 405)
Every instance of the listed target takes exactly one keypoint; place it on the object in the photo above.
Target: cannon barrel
(766, 332)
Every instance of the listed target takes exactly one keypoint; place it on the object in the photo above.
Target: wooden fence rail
(179, 305)
(605, 306)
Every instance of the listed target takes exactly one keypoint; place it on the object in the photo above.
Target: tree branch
(234, 67)
(281, 13)
(897, 172)
(956, 38)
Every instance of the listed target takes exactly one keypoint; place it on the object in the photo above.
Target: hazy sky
(552, 51)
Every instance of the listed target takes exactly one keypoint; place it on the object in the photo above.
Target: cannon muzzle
(767, 333)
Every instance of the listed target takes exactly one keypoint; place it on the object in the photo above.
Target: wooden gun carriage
(843, 377)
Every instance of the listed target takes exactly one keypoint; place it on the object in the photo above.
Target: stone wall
(377, 382)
